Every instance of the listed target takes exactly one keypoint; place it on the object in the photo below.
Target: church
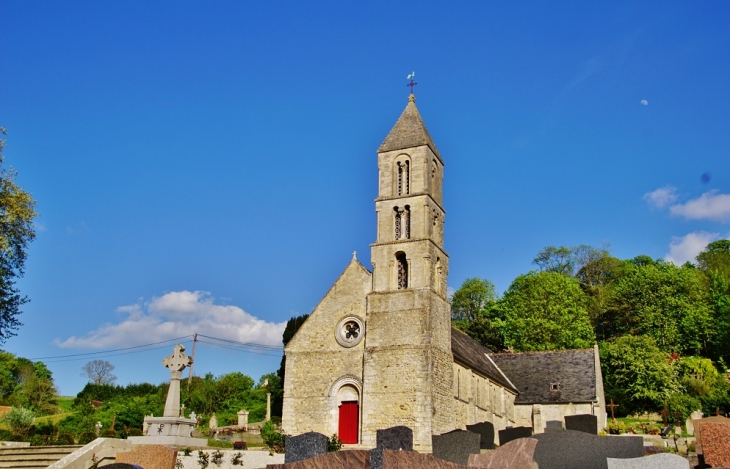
(379, 350)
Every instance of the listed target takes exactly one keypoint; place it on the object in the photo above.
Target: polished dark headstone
(395, 438)
(305, 446)
(486, 430)
(586, 423)
(509, 434)
(553, 425)
(122, 465)
(570, 449)
(456, 446)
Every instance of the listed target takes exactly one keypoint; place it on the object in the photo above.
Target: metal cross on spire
(412, 83)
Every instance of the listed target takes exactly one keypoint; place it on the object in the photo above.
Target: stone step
(33, 457)
(39, 449)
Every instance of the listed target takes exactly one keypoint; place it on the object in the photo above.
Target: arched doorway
(349, 415)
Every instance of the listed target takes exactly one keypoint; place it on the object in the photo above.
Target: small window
(402, 270)
(555, 386)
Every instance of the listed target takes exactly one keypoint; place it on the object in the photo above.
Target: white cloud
(644, 102)
(661, 197)
(685, 248)
(178, 314)
(709, 206)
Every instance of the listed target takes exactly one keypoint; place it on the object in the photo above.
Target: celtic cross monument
(172, 428)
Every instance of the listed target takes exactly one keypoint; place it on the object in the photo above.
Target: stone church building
(379, 349)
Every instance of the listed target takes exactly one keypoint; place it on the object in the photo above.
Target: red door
(349, 414)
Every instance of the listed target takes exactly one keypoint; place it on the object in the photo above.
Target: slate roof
(473, 354)
(534, 372)
(409, 131)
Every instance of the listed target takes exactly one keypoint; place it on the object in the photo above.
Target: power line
(114, 350)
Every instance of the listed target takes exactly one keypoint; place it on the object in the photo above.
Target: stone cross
(612, 406)
(176, 363)
(98, 428)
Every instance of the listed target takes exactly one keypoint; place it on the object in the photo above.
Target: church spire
(409, 131)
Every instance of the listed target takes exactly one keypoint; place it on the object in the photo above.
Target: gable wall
(316, 364)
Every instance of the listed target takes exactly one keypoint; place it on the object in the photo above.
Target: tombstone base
(169, 431)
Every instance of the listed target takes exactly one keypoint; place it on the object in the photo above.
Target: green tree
(472, 299)
(545, 311)
(669, 303)
(20, 420)
(291, 328)
(17, 211)
(637, 374)
(473, 310)
(716, 258)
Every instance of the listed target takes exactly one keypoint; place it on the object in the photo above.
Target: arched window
(407, 216)
(402, 266)
(398, 222)
(404, 170)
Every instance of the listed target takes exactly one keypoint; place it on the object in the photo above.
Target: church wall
(315, 361)
(479, 399)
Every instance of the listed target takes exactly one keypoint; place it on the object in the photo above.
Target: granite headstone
(149, 457)
(716, 444)
(394, 438)
(411, 459)
(583, 423)
(456, 446)
(655, 461)
(553, 425)
(509, 434)
(517, 454)
(122, 465)
(486, 430)
(305, 446)
(570, 449)
(350, 459)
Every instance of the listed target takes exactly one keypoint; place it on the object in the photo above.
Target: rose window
(349, 331)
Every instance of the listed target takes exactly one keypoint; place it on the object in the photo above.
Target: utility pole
(192, 362)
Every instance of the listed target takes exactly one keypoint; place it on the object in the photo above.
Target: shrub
(217, 457)
(617, 428)
(134, 432)
(335, 444)
(187, 451)
(237, 459)
(86, 438)
(40, 440)
(65, 439)
(20, 420)
(272, 438)
(203, 459)
(109, 433)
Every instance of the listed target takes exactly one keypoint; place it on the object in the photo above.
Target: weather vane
(412, 83)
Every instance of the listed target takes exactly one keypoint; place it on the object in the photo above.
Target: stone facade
(379, 351)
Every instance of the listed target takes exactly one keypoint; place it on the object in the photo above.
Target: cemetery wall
(536, 415)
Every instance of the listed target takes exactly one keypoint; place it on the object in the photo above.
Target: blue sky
(210, 166)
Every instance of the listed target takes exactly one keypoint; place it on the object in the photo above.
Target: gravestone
(411, 459)
(655, 461)
(398, 438)
(572, 449)
(305, 446)
(350, 459)
(512, 433)
(586, 423)
(122, 465)
(517, 454)
(699, 422)
(394, 438)
(455, 446)
(553, 425)
(149, 457)
(486, 430)
(716, 444)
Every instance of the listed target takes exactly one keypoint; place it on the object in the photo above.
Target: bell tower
(407, 374)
